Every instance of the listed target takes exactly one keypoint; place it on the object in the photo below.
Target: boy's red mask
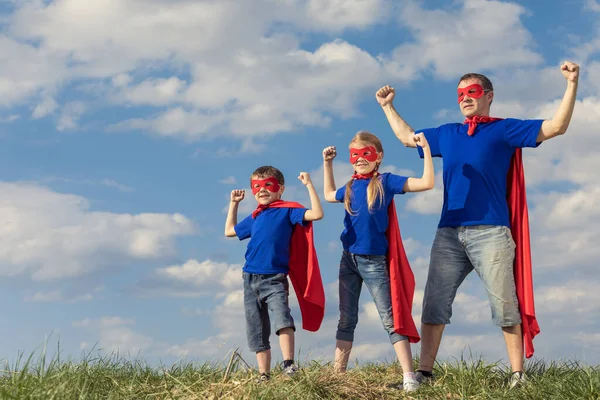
(475, 91)
(369, 153)
(271, 184)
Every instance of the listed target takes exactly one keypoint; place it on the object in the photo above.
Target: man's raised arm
(404, 132)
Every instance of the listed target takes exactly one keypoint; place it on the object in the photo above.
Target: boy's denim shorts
(487, 249)
(264, 293)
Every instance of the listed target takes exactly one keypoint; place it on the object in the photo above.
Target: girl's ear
(281, 189)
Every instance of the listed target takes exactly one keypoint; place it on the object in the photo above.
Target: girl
(373, 250)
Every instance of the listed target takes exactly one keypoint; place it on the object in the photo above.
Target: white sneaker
(411, 386)
(291, 370)
(517, 378)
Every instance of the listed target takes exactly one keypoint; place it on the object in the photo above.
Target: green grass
(113, 377)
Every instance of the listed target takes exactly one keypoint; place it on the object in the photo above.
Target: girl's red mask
(271, 184)
(475, 91)
(369, 153)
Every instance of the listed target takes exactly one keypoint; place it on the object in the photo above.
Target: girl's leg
(350, 284)
(375, 273)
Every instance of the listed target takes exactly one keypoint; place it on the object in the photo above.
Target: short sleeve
(522, 133)
(339, 194)
(297, 215)
(395, 183)
(243, 230)
(433, 138)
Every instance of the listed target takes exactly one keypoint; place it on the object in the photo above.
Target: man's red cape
(304, 271)
(519, 225)
(402, 280)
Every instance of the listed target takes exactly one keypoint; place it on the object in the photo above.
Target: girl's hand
(420, 140)
(329, 153)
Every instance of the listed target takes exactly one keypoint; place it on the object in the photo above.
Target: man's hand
(304, 178)
(570, 71)
(385, 95)
(420, 140)
(237, 195)
(329, 153)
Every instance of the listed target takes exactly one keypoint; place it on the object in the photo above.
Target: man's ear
(490, 96)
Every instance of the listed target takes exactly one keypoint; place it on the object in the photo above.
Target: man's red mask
(474, 91)
(369, 153)
(271, 184)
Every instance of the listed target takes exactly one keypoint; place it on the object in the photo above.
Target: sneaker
(290, 370)
(422, 378)
(411, 386)
(264, 377)
(517, 378)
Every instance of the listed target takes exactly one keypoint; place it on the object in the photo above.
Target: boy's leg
(276, 291)
(492, 251)
(448, 268)
(258, 326)
(350, 284)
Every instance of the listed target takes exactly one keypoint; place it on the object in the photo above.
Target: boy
(280, 244)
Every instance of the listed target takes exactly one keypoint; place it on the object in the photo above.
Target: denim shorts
(487, 249)
(264, 293)
(373, 270)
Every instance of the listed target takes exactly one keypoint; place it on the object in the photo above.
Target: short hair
(485, 82)
(267, 171)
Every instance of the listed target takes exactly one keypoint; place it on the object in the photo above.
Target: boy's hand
(385, 95)
(237, 195)
(304, 178)
(420, 140)
(329, 153)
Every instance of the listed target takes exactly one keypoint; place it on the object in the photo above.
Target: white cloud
(58, 296)
(154, 92)
(115, 335)
(45, 107)
(230, 180)
(592, 5)
(194, 279)
(70, 115)
(428, 202)
(481, 35)
(52, 235)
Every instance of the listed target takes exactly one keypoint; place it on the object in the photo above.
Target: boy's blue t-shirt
(364, 232)
(270, 233)
(475, 168)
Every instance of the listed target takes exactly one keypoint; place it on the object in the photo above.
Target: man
(474, 228)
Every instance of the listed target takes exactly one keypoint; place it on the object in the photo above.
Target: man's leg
(350, 285)
(492, 250)
(448, 268)
(514, 345)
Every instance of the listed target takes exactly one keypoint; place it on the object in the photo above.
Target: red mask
(271, 184)
(369, 153)
(474, 91)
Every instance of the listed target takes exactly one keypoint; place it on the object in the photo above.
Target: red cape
(519, 223)
(304, 271)
(402, 280)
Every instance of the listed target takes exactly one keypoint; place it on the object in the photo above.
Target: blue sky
(124, 125)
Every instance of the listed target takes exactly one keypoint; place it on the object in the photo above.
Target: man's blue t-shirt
(364, 232)
(270, 233)
(475, 168)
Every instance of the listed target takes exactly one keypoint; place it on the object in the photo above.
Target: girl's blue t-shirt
(365, 232)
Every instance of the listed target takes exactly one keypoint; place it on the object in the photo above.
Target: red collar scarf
(519, 224)
(304, 271)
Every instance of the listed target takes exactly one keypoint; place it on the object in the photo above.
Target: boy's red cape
(402, 280)
(304, 271)
(519, 225)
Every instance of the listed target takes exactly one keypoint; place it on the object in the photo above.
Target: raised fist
(304, 178)
(329, 153)
(237, 195)
(570, 71)
(420, 140)
(385, 95)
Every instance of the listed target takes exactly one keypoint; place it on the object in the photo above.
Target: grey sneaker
(422, 379)
(517, 378)
(264, 377)
(290, 370)
(410, 386)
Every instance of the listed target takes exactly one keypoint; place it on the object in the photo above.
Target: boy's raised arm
(426, 182)
(329, 154)
(236, 196)
(316, 210)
